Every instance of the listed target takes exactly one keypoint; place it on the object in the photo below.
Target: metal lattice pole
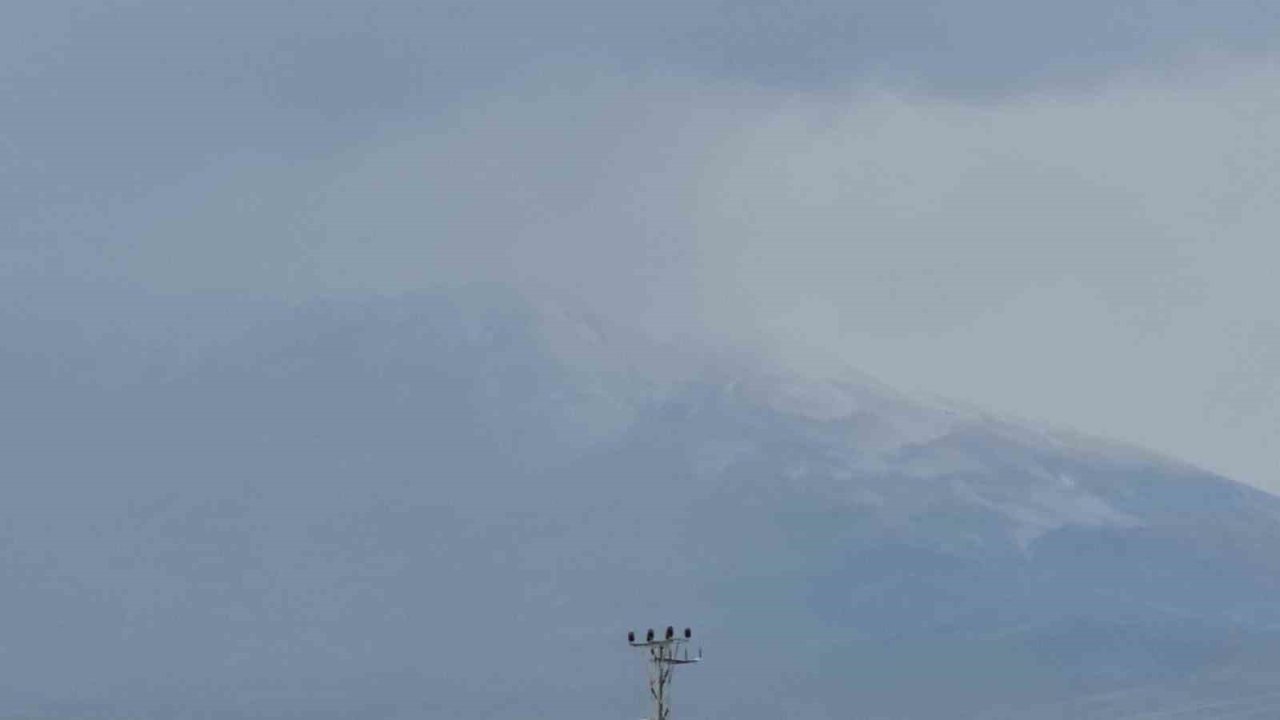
(664, 655)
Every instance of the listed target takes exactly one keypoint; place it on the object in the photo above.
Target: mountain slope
(454, 504)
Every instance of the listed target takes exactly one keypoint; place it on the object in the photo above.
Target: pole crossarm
(664, 654)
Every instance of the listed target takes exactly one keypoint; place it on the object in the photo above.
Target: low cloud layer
(1084, 242)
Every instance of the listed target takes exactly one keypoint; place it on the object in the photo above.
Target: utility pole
(665, 654)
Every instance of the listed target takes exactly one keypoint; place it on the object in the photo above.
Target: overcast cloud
(1063, 211)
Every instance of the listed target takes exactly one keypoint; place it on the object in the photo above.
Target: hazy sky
(1065, 211)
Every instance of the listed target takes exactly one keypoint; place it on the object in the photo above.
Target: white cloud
(1102, 260)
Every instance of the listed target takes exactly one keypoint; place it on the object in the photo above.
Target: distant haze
(1061, 212)
(393, 359)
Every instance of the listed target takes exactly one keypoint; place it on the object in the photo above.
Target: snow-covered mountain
(456, 505)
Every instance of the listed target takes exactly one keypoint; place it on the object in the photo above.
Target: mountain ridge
(306, 503)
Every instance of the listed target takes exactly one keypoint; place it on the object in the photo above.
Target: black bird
(649, 637)
(671, 632)
(688, 633)
(631, 637)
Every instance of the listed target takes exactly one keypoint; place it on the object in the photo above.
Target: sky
(1059, 211)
